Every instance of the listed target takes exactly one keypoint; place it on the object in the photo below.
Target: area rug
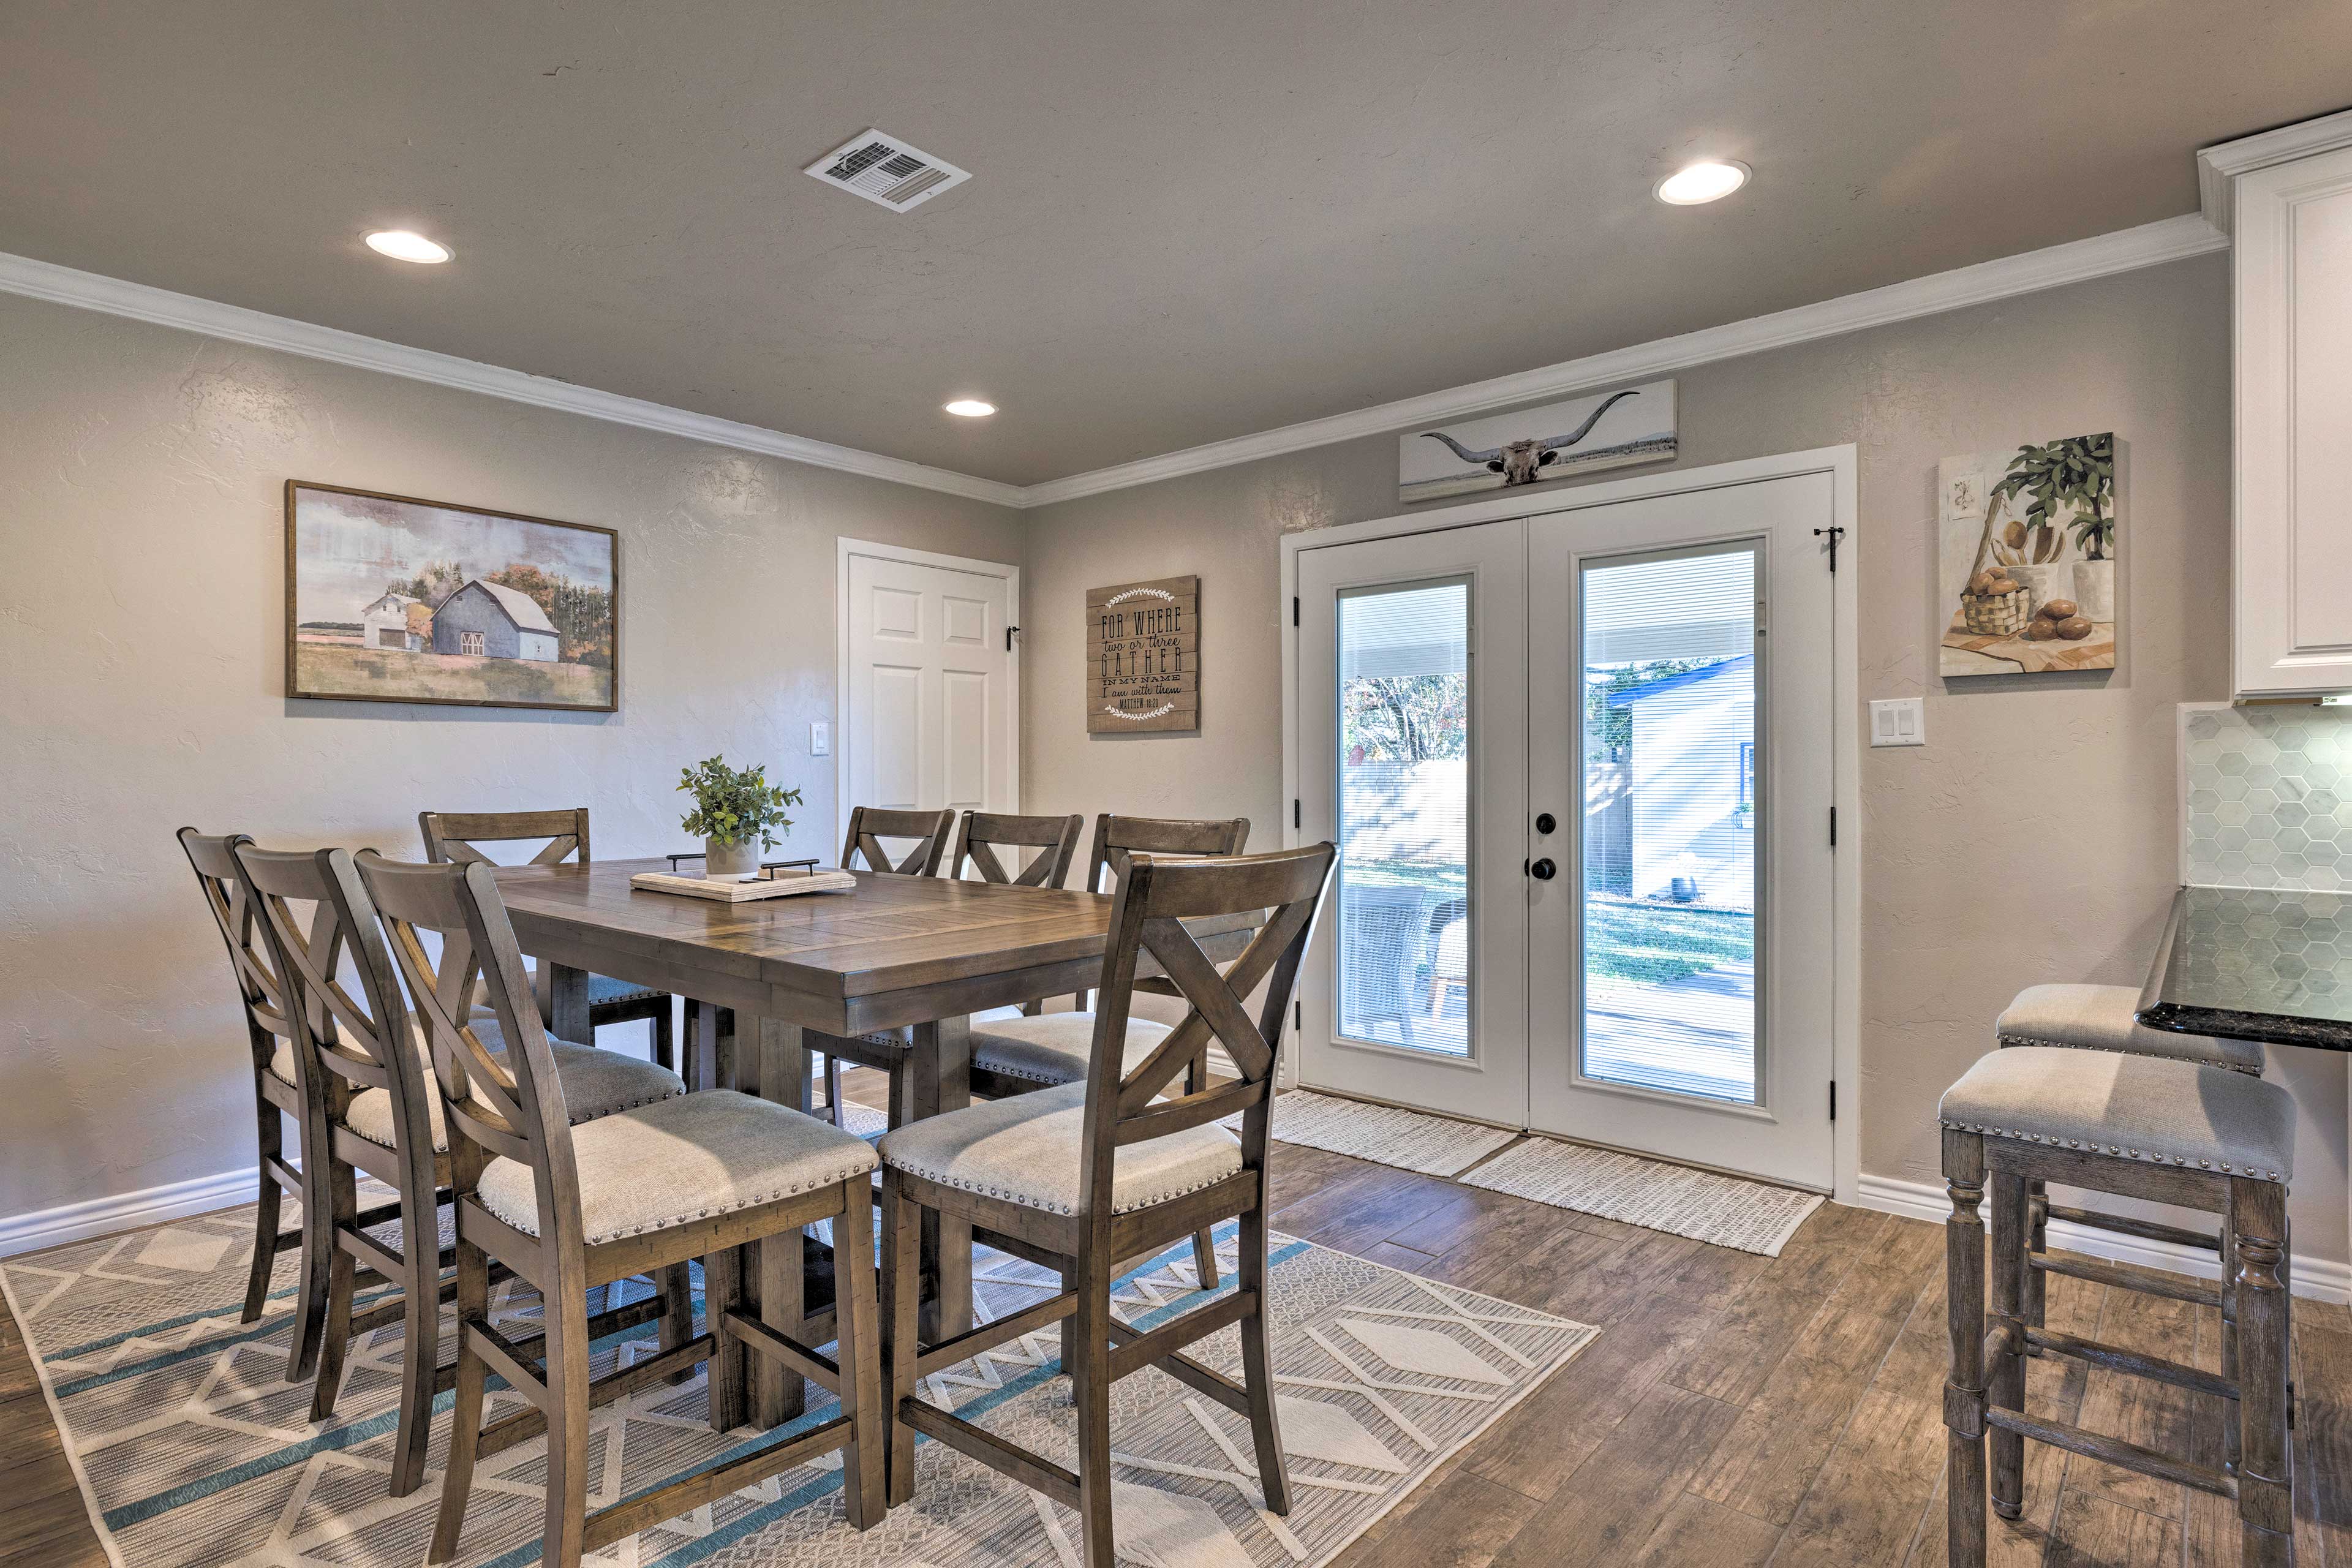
(1752, 1217)
(1409, 1140)
(195, 1452)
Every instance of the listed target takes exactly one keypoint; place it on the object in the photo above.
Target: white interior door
(1681, 706)
(930, 714)
(1412, 672)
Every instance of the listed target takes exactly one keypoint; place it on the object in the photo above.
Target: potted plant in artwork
(2071, 483)
(737, 813)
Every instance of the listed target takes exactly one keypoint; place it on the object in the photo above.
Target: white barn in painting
(1693, 785)
(386, 623)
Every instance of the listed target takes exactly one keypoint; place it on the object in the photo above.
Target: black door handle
(1544, 823)
(1543, 870)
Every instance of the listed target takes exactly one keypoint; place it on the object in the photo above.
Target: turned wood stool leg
(2265, 1470)
(1964, 1389)
(2006, 1375)
(2037, 1231)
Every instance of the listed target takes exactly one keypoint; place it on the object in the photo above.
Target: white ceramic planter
(2094, 589)
(725, 862)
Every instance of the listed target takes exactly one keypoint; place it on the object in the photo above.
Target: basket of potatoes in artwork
(1994, 606)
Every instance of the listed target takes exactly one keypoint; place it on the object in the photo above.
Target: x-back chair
(376, 1111)
(456, 835)
(702, 1175)
(1081, 1176)
(870, 825)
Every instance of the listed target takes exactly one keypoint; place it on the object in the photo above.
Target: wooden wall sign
(1143, 657)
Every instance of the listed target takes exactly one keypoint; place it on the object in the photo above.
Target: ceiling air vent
(885, 171)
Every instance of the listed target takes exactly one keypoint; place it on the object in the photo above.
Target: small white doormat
(1409, 1140)
(1752, 1217)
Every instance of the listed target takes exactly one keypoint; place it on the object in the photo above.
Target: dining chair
(646, 1189)
(1080, 1177)
(869, 824)
(278, 1087)
(985, 834)
(378, 1113)
(1043, 1050)
(453, 835)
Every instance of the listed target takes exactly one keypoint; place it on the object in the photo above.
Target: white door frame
(845, 549)
(1843, 464)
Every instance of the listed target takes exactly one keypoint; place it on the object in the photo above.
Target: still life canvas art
(392, 599)
(2028, 551)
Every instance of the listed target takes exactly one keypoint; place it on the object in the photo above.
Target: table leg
(567, 1003)
(938, 1075)
(771, 1063)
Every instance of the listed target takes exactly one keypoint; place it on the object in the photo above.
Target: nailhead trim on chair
(2006, 1040)
(2149, 1158)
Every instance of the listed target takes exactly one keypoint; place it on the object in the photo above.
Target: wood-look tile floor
(1736, 1410)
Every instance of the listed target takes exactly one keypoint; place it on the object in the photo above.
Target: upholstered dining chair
(1043, 1050)
(453, 836)
(1081, 1177)
(377, 1111)
(645, 1189)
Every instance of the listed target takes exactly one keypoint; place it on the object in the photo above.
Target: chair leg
(2007, 1380)
(420, 1339)
(864, 1464)
(1204, 1248)
(465, 1419)
(342, 1207)
(902, 1290)
(722, 1292)
(1086, 1349)
(664, 1041)
(2037, 1232)
(563, 1544)
(2230, 1359)
(833, 1090)
(266, 1218)
(310, 1293)
(1963, 1256)
(1257, 1367)
(675, 1284)
(2265, 1470)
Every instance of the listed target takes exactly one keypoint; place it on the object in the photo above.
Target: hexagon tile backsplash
(2269, 801)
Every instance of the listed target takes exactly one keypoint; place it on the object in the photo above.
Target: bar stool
(2141, 1127)
(2105, 1018)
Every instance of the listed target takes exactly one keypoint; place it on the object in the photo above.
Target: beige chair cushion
(2131, 1107)
(2100, 1018)
(682, 1160)
(1055, 1047)
(1027, 1150)
(597, 1083)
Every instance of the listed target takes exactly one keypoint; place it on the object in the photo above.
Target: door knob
(1546, 822)
(1543, 870)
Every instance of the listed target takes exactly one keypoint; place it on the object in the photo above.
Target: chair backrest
(459, 835)
(1116, 836)
(984, 833)
(346, 1044)
(260, 990)
(509, 1105)
(869, 824)
(1153, 898)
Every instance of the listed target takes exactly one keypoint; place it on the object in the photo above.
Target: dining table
(769, 981)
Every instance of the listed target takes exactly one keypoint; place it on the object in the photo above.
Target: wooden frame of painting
(395, 599)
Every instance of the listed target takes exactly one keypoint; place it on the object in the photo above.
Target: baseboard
(124, 1211)
(2321, 1279)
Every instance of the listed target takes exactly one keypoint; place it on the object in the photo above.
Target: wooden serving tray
(784, 887)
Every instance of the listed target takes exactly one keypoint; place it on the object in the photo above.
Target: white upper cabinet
(2286, 198)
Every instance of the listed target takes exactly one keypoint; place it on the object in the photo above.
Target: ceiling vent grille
(885, 171)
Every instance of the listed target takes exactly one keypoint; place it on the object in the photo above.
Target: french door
(1580, 767)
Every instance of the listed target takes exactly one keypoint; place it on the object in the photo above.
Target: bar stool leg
(2007, 1374)
(2037, 1231)
(2231, 1452)
(2257, 1221)
(1964, 1402)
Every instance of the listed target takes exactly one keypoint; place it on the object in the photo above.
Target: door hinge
(1294, 609)
(1297, 817)
(1836, 534)
(1832, 1100)
(1833, 827)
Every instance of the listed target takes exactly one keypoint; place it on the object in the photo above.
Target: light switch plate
(1898, 722)
(819, 739)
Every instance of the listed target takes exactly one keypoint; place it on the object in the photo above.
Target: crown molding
(141, 302)
(2103, 255)
(2125, 250)
(2218, 164)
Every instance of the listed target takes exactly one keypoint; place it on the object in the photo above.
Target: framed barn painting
(392, 599)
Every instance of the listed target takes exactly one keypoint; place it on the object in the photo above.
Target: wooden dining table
(769, 980)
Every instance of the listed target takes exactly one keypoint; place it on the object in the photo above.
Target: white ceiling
(1187, 221)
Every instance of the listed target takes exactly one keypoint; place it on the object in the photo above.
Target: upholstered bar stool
(2105, 1018)
(2141, 1127)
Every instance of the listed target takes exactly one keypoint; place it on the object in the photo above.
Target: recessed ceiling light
(401, 245)
(1706, 182)
(972, 408)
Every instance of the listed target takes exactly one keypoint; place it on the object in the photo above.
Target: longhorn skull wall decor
(1634, 424)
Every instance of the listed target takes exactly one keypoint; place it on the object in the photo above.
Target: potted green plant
(2075, 475)
(737, 813)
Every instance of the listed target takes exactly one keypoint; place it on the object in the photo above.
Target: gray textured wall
(142, 609)
(2033, 838)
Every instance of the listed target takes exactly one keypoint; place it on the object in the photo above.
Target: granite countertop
(2255, 965)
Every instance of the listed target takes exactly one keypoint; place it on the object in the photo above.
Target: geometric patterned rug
(195, 1452)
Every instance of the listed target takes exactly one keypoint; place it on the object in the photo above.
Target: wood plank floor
(1736, 1410)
